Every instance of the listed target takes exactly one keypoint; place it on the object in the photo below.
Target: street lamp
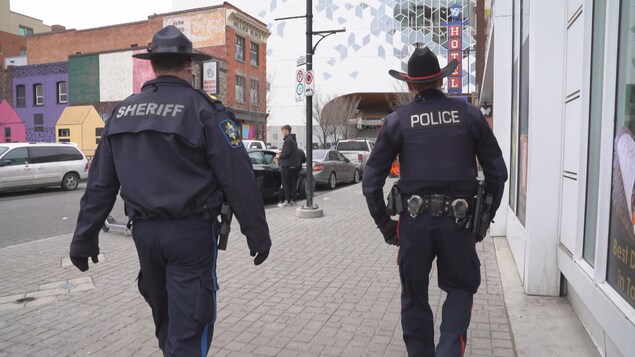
(310, 50)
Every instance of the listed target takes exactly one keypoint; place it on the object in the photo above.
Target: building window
(38, 122)
(240, 89)
(25, 31)
(63, 133)
(253, 92)
(7, 134)
(253, 50)
(20, 96)
(523, 129)
(240, 48)
(22, 51)
(98, 132)
(38, 94)
(620, 272)
(64, 140)
(595, 128)
(62, 94)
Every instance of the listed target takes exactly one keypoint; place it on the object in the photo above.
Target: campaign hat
(423, 67)
(171, 41)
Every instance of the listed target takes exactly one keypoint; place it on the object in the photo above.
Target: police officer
(176, 155)
(438, 140)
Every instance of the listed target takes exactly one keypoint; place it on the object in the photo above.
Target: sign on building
(210, 77)
(455, 48)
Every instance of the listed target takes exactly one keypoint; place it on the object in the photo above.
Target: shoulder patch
(231, 132)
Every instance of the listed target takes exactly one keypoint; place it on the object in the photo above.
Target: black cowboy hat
(170, 40)
(423, 67)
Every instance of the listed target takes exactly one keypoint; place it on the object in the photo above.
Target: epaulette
(217, 104)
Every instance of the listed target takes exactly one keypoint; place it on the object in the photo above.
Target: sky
(82, 14)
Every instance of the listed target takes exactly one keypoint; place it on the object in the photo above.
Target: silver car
(30, 165)
(331, 167)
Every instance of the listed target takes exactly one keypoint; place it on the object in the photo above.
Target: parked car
(267, 174)
(356, 150)
(254, 144)
(32, 165)
(331, 167)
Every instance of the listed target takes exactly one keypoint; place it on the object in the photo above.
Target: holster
(395, 205)
(226, 216)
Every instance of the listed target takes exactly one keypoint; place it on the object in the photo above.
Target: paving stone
(329, 288)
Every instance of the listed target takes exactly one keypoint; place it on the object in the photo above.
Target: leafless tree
(400, 96)
(332, 116)
(344, 109)
(323, 127)
(258, 105)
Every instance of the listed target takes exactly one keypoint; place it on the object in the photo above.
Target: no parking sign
(308, 83)
(299, 85)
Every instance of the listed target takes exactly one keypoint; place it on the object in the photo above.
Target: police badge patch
(232, 133)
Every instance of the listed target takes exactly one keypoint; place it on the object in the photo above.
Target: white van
(254, 144)
(30, 165)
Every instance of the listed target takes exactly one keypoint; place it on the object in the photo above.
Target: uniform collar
(430, 94)
(165, 80)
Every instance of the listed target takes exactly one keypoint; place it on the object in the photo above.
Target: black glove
(82, 262)
(259, 256)
(389, 231)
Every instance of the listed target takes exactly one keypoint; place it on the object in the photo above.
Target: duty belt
(437, 204)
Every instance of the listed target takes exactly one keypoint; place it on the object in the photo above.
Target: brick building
(11, 46)
(101, 69)
(14, 28)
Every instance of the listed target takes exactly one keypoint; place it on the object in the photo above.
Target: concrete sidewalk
(329, 288)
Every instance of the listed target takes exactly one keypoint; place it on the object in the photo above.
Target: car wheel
(70, 182)
(332, 181)
(355, 177)
(302, 188)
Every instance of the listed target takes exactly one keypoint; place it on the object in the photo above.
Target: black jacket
(289, 153)
(438, 140)
(171, 150)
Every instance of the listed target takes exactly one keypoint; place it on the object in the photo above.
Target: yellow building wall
(74, 131)
(89, 139)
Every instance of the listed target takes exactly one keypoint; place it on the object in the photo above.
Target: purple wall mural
(40, 120)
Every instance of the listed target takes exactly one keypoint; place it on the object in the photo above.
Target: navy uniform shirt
(438, 140)
(172, 151)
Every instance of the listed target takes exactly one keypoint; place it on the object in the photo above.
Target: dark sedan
(267, 174)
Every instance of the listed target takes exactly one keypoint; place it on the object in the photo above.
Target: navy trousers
(421, 240)
(178, 280)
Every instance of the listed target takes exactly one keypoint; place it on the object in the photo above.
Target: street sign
(309, 84)
(301, 61)
(299, 85)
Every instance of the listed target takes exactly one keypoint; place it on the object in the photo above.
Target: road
(32, 215)
(27, 216)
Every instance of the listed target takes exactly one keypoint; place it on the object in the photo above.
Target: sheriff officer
(438, 140)
(176, 155)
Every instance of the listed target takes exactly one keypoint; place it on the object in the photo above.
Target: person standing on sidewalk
(288, 160)
(176, 155)
(438, 140)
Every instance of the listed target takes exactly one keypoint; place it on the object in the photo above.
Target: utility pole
(310, 210)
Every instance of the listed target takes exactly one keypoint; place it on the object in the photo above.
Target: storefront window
(523, 135)
(595, 121)
(621, 254)
(513, 166)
